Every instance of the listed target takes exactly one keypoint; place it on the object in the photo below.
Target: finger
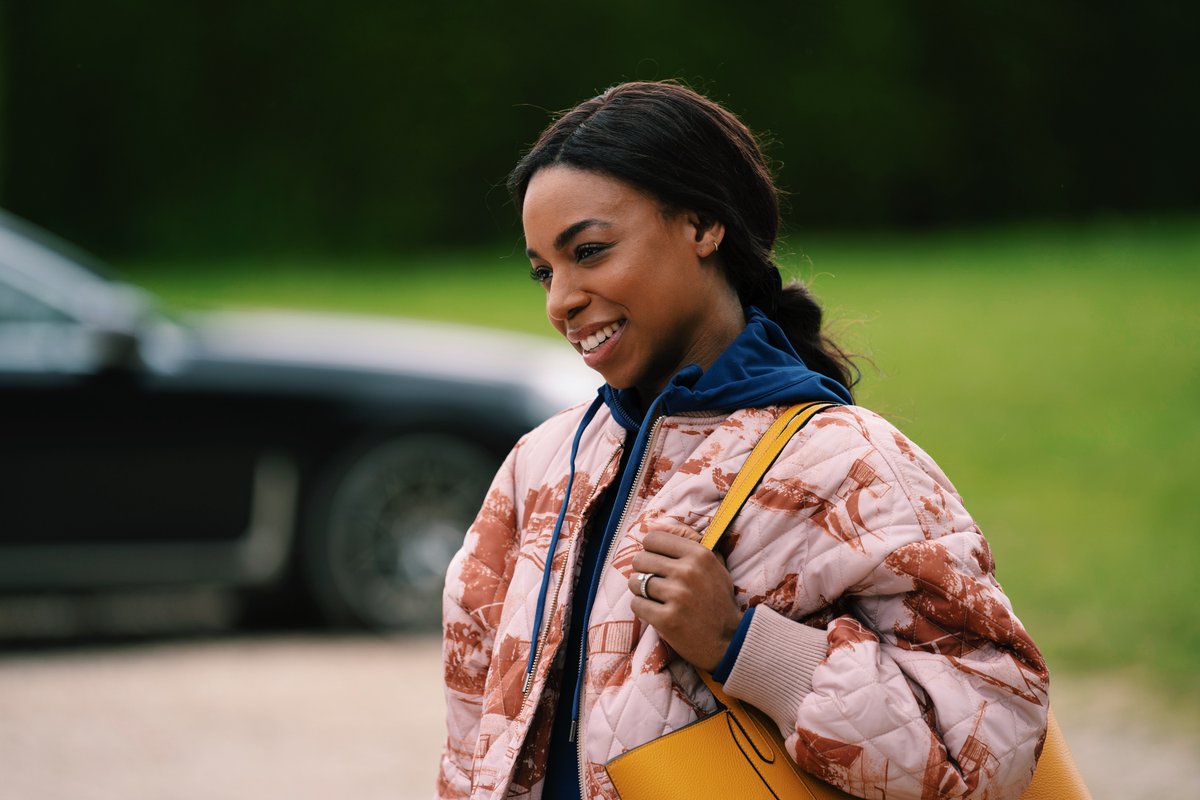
(670, 544)
(643, 609)
(674, 528)
(653, 562)
(635, 586)
(662, 590)
(650, 611)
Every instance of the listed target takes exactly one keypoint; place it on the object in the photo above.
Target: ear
(706, 233)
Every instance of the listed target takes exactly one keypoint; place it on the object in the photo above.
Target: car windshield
(43, 278)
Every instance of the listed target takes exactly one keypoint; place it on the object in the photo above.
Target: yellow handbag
(738, 751)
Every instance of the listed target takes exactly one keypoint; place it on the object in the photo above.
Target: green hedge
(143, 127)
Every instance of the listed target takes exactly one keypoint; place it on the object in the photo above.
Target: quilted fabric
(931, 686)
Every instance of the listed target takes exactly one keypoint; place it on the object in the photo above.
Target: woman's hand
(691, 605)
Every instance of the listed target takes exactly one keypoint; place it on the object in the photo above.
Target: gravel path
(341, 717)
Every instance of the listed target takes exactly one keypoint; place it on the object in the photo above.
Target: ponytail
(793, 308)
(800, 316)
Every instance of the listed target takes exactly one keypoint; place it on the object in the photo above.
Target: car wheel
(387, 527)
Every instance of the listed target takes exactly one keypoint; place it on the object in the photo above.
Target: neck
(714, 338)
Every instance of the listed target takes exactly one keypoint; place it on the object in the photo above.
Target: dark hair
(693, 154)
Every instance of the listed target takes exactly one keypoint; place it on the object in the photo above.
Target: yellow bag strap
(760, 460)
(756, 464)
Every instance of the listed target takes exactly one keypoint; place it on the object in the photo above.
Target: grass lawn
(1053, 371)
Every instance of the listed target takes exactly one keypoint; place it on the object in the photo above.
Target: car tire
(387, 525)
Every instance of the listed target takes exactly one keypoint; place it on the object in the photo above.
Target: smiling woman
(853, 598)
(636, 288)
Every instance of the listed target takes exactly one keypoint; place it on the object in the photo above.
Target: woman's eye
(540, 274)
(585, 251)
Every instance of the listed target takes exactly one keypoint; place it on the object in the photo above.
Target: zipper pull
(528, 680)
(574, 730)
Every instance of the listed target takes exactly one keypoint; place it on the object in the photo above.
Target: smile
(599, 337)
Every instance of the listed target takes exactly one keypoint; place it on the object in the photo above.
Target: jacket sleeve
(918, 679)
(476, 582)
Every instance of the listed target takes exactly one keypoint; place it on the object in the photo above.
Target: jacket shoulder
(855, 432)
(853, 457)
(555, 425)
(545, 451)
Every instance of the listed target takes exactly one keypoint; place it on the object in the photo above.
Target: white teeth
(599, 337)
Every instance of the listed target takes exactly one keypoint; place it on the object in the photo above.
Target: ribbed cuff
(775, 665)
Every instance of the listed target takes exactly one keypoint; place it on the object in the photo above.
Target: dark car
(342, 455)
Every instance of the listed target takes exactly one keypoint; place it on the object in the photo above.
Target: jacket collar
(759, 368)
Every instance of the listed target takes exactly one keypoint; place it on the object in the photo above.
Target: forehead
(561, 195)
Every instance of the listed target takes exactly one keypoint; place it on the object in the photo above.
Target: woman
(852, 599)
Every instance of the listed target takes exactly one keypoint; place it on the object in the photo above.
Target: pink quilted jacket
(881, 644)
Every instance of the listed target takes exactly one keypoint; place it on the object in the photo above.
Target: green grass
(1053, 372)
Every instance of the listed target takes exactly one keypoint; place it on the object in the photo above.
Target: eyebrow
(569, 233)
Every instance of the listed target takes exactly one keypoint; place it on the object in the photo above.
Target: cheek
(665, 283)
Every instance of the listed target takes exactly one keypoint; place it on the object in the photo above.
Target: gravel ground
(334, 717)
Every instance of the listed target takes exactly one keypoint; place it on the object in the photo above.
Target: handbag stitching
(731, 721)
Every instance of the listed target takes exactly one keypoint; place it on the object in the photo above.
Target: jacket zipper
(541, 641)
(637, 480)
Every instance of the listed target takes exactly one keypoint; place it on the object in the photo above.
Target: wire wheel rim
(396, 519)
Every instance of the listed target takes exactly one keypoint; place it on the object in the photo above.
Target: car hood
(341, 343)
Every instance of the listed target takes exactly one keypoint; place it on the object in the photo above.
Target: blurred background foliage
(222, 126)
(997, 202)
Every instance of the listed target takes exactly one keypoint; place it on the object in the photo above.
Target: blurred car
(343, 456)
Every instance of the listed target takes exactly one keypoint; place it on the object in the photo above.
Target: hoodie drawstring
(562, 514)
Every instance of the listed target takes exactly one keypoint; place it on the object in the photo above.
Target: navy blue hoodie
(759, 368)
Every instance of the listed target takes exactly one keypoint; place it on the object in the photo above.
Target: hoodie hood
(759, 368)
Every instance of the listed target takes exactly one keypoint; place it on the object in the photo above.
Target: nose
(565, 297)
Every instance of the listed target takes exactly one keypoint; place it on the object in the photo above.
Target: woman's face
(635, 289)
